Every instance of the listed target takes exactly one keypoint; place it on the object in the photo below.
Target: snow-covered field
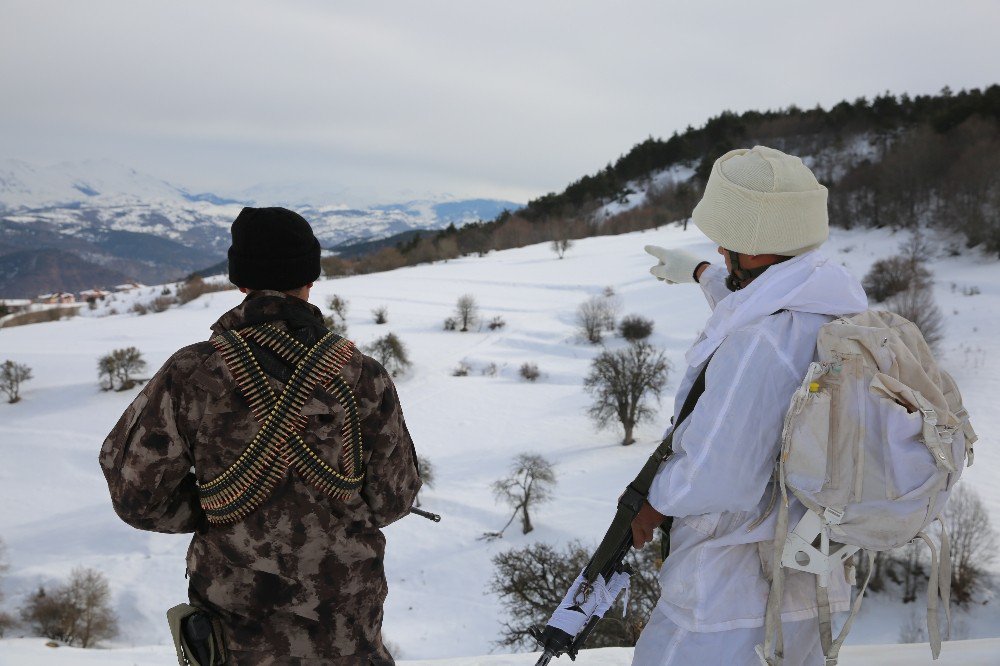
(32, 652)
(56, 515)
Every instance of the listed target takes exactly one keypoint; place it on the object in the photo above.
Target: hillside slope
(57, 514)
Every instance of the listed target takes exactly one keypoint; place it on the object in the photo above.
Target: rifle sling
(619, 535)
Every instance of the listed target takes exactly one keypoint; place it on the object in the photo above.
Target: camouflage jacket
(300, 579)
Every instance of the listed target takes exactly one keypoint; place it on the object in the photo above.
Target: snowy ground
(32, 652)
(56, 514)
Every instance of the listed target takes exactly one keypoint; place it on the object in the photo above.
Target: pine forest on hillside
(892, 161)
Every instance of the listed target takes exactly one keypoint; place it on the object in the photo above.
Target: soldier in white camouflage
(283, 449)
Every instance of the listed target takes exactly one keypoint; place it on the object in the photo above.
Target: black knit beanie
(273, 248)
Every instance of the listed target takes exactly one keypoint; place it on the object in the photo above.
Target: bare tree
(106, 372)
(77, 612)
(121, 365)
(466, 312)
(620, 382)
(910, 561)
(560, 246)
(337, 320)
(590, 317)
(531, 581)
(381, 315)
(528, 485)
(390, 351)
(339, 305)
(12, 375)
(973, 542)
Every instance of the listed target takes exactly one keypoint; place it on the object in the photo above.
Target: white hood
(810, 282)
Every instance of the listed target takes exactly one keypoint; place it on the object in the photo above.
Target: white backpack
(873, 443)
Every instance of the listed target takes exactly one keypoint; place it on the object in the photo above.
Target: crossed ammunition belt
(277, 446)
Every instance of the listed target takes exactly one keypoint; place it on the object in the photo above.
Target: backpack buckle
(832, 516)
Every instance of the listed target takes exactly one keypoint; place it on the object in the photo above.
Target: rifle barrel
(425, 514)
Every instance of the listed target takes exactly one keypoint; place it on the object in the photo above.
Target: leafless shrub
(496, 323)
(427, 475)
(450, 324)
(78, 612)
(590, 318)
(529, 372)
(466, 312)
(612, 308)
(894, 275)
(490, 370)
(917, 304)
(139, 308)
(12, 375)
(334, 266)
(532, 580)
(196, 286)
(620, 382)
(381, 315)
(462, 370)
(529, 484)
(339, 306)
(119, 367)
(40, 316)
(560, 246)
(390, 351)
(163, 303)
(635, 327)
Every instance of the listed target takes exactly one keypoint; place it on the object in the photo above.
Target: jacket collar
(810, 282)
(265, 306)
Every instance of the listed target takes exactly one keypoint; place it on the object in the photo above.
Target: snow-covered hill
(56, 514)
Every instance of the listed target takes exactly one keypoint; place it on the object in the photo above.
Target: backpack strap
(832, 653)
(938, 588)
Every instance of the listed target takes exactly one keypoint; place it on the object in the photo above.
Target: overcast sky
(378, 100)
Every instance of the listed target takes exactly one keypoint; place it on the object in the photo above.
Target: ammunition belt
(277, 446)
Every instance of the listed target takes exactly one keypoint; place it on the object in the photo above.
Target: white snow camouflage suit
(717, 484)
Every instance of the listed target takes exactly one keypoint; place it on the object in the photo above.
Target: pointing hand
(675, 266)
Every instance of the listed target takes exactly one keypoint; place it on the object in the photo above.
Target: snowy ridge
(57, 514)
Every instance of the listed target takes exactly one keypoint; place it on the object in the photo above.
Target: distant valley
(82, 225)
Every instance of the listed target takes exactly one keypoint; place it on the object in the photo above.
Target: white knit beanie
(762, 201)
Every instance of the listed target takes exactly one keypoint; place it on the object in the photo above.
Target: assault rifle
(607, 574)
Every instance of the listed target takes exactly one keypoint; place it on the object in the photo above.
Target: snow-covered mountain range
(145, 228)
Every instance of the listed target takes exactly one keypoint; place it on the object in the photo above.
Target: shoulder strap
(618, 539)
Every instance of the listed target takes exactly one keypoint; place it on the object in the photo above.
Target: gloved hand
(675, 266)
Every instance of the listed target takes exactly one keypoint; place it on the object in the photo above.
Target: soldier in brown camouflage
(289, 560)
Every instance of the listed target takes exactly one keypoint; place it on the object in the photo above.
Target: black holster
(198, 636)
